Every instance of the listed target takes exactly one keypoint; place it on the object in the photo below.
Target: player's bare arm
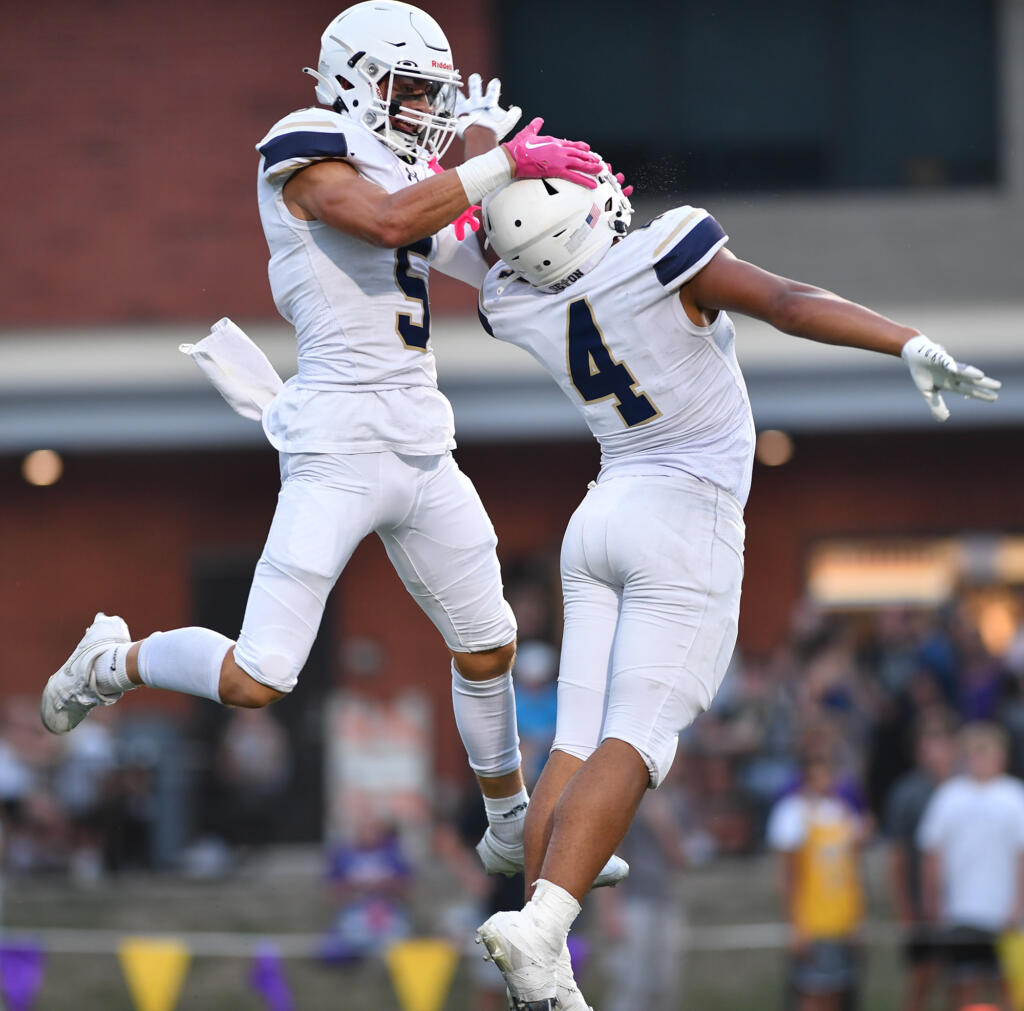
(816, 314)
(334, 193)
(802, 310)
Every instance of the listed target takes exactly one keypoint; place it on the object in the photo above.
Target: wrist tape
(484, 173)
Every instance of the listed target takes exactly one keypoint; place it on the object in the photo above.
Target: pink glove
(627, 191)
(536, 157)
(467, 219)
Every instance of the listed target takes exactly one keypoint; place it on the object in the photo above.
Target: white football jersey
(361, 313)
(660, 393)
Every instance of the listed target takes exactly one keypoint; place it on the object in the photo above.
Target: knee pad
(273, 669)
(647, 707)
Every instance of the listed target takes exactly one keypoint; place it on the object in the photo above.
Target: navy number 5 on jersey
(411, 277)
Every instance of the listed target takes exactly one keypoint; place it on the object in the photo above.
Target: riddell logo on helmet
(442, 66)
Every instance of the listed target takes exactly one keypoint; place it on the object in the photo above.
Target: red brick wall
(129, 162)
(936, 482)
(120, 533)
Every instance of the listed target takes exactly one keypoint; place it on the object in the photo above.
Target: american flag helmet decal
(593, 215)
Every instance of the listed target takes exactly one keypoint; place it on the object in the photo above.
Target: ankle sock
(111, 671)
(507, 816)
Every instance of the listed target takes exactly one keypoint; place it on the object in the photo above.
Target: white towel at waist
(239, 370)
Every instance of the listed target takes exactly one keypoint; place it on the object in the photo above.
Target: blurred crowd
(125, 793)
(80, 804)
(866, 679)
(901, 728)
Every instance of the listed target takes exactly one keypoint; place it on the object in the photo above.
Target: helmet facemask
(434, 129)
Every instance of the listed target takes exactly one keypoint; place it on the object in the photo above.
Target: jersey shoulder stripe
(307, 145)
(484, 321)
(481, 315)
(693, 248)
(302, 138)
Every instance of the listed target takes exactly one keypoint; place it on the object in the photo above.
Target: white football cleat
(544, 1005)
(71, 693)
(526, 959)
(508, 858)
(568, 993)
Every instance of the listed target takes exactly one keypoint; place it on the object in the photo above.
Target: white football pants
(434, 528)
(651, 573)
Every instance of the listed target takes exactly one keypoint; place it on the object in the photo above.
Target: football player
(355, 212)
(635, 330)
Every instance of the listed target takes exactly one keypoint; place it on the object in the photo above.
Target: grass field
(286, 897)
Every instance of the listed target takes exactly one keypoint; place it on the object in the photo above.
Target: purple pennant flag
(268, 977)
(21, 974)
(579, 952)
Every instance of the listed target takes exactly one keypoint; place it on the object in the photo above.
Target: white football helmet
(544, 229)
(362, 51)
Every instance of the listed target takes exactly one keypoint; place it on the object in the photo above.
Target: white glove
(932, 368)
(482, 109)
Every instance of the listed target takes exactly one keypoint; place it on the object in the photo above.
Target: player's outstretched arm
(816, 314)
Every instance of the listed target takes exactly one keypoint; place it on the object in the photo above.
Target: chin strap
(512, 275)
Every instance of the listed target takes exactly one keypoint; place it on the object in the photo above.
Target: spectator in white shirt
(923, 948)
(972, 837)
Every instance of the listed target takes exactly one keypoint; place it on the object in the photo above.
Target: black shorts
(969, 951)
(923, 945)
(825, 967)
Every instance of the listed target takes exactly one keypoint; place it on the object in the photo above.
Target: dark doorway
(220, 588)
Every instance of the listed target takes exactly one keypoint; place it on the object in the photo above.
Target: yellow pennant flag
(421, 971)
(155, 970)
(1011, 956)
